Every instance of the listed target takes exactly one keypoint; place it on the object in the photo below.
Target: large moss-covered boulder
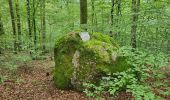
(84, 57)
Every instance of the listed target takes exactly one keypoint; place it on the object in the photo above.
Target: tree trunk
(111, 18)
(13, 24)
(1, 27)
(43, 27)
(92, 17)
(34, 25)
(135, 11)
(118, 17)
(168, 46)
(118, 7)
(83, 14)
(1, 32)
(29, 19)
(18, 25)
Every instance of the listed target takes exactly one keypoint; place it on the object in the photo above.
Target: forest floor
(33, 81)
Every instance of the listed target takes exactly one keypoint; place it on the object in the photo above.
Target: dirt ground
(33, 81)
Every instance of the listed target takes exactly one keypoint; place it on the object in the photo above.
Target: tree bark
(118, 13)
(43, 27)
(92, 17)
(29, 19)
(111, 17)
(1, 32)
(1, 26)
(18, 26)
(34, 25)
(135, 11)
(83, 14)
(13, 24)
(168, 46)
(118, 7)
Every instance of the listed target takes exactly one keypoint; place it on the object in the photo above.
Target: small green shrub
(2, 79)
(131, 80)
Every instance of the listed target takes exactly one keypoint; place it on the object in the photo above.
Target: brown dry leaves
(33, 84)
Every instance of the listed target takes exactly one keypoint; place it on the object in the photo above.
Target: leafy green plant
(2, 79)
(23, 58)
(120, 82)
(142, 92)
(132, 80)
(37, 55)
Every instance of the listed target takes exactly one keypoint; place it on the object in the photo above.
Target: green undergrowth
(9, 63)
(2, 78)
(132, 80)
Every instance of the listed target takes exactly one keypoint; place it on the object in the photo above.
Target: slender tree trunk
(29, 19)
(18, 25)
(1, 32)
(13, 24)
(34, 25)
(111, 17)
(168, 46)
(134, 26)
(118, 7)
(43, 27)
(118, 16)
(102, 18)
(50, 37)
(135, 11)
(1, 27)
(40, 31)
(92, 16)
(83, 14)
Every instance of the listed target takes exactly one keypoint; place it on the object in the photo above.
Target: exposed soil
(33, 81)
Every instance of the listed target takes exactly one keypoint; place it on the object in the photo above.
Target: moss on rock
(77, 61)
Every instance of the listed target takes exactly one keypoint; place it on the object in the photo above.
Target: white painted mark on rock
(85, 36)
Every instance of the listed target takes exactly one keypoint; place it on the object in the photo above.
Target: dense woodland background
(33, 25)
(29, 29)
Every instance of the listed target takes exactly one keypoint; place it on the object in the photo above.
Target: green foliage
(12, 61)
(2, 78)
(131, 80)
(23, 58)
(142, 92)
(62, 16)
